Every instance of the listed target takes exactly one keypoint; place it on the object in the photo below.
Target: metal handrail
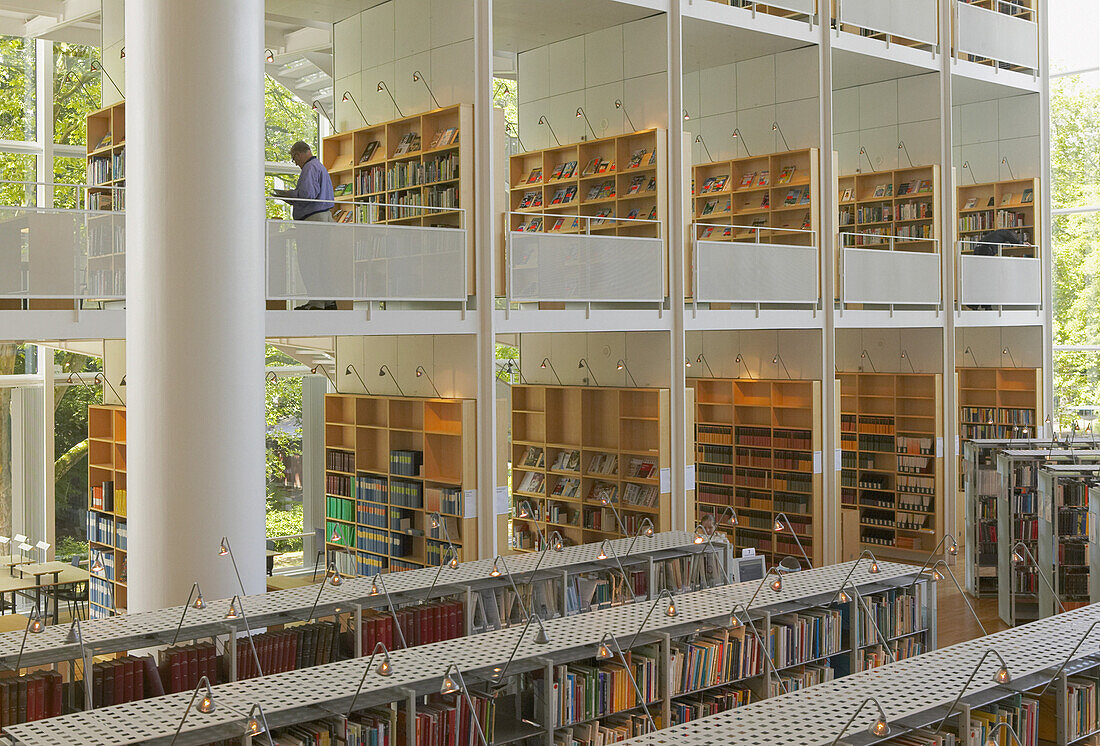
(959, 266)
(753, 228)
(589, 218)
(1000, 248)
(887, 240)
(696, 239)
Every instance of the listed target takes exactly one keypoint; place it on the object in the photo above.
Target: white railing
(58, 253)
(804, 7)
(908, 19)
(997, 274)
(889, 270)
(384, 260)
(1007, 34)
(584, 263)
(732, 264)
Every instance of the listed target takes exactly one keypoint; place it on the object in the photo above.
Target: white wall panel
(563, 116)
(878, 104)
(566, 66)
(881, 144)
(1018, 116)
(756, 82)
(847, 148)
(796, 74)
(599, 105)
(646, 97)
(922, 140)
(717, 90)
(644, 46)
(412, 96)
(1023, 156)
(534, 74)
(690, 93)
(979, 122)
(347, 38)
(452, 21)
(798, 120)
(347, 116)
(756, 127)
(452, 73)
(377, 34)
(845, 111)
(603, 56)
(409, 35)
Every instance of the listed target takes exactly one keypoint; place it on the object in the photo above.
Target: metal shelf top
(145, 629)
(320, 691)
(913, 692)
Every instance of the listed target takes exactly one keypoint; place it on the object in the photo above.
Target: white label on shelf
(939, 447)
(748, 552)
(837, 459)
(469, 507)
(666, 479)
(501, 500)
(817, 462)
(689, 477)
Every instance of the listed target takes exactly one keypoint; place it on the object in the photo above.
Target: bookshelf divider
(107, 594)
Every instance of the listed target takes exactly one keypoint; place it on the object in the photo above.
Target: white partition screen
(808, 7)
(755, 273)
(998, 36)
(1000, 280)
(350, 261)
(910, 19)
(891, 277)
(48, 253)
(579, 267)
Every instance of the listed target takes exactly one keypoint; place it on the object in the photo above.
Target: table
(271, 555)
(285, 582)
(56, 569)
(14, 585)
(13, 622)
(11, 560)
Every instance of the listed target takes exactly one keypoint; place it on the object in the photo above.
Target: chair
(75, 595)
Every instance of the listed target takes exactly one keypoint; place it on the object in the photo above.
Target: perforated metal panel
(894, 277)
(996, 280)
(298, 696)
(755, 273)
(911, 19)
(913, 691)
(136, 630)
(987, 33)
(573, 267)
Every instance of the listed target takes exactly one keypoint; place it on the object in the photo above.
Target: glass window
(288, 119)
(1075, 140)
(1074, 29)
(1076, 244)
(76, 91)
(18, 167)
(285, 516)
(71, 452)
(69, 171)
(17, 84)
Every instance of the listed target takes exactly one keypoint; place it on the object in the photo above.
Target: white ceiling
(708, 44)
(966, 90)
(852, 69)
(519, 25)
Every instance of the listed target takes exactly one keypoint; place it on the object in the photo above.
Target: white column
(194, 315)
(676, 242)
(1045, 203)
(948, 256)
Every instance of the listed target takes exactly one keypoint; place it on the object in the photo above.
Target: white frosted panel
(897, 277)
(799, 6)
(1000, 280)
(911, 19)
(755, 273)
(999, 36)
(335, 261)
(62, 254)
(547, 267)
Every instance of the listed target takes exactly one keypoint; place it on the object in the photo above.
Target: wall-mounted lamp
(775, 128)
(699, 139)
(1006, 351)
(420, 372)
(966, 167)
(906, 358)
(122, 53)
(418, 77)
(863, 152)
(741, 360)
(95, 66)
(621, 365)
(864, 356)
(318, 107)
(383, 370)
(580, 113)
(737, 134)
(348, 97)
(123, 381)
(619, 105)
(777, 359)
(686, 115)
(319, 367)
(970, 352)
(544, 121)
(1004, 162)
(383, 87)
(509, 127)
(101, 379)
(351, 369)
(702, 359)
(901, 146)
(269, 56)
(583, 364)
(545, 362)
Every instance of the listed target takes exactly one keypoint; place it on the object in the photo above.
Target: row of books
(442, 722)
(371, 489)
(914, 211)
(101, 594)
(340, 508)
(35, 696)
(805, 636)
(914, 445)
(103, 497)
(339, 460)
(102, 530)
(339, 533)
(406, 463)
(567, 487)
(533, 457)
(382, 542)
(709, 703)
(443, 197)
(583, 692)
(714, 658)
(406, 494)
(800, 678)
(304, 646)
(338, 484)
(179, 668)
(894, 612)
(370, 514)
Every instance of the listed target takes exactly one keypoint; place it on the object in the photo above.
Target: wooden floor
(954, 621)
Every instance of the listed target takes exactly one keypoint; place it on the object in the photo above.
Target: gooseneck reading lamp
(583, 364)
(378, 584)
(621, 365)
(699, 139)
(937, 576)
(783, 522)
(383, 669)
(735, 622)
(1022, 556)
(606, 547)
(544, 121)
(1002, 677)
(545, 362)
(901, 147)
(99, 68)
(580, 114)
(603, 653)
(317, 106)
(619, 105)
(863, 152)
(702, 359)
(737, 134)
(455, 683)
(879, 728)
(348, 97)
(421, 373)
(232, 613)
(383, 87)
(418, 77)
(495, 572)
(383, 370)
(670, 611)
(775, 128)
(540, 637)
(205, 706)
(351, 369)
(199, 603)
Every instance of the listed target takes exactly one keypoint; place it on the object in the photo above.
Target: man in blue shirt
(312, 199)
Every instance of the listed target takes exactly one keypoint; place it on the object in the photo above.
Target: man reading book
(312, 199)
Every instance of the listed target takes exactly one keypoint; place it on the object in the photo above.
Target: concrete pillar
(195, 300)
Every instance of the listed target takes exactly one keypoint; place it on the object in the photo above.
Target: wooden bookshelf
(891, 203)
(891, 434)
(379, 507)
(106, 158)
(377, 163)
(107, 509)
(1000, 204)
(748, 192)
(999, 402)
(570, 444)
(607, 193)
(758, 449)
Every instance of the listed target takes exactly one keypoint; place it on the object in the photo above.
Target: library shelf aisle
(573, 446)
(305, 696)
(915, 696)
(891, 203)
(107, 509)
(1069, 530)
(422, 160)
(390, 463)
(758, 450)
(139, 630)
(891, 435)
(756, 193)
(1001, 204)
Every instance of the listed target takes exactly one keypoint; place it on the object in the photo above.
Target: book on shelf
(607, 190)
(1028, 196)
(632, 215)
(924, 186)
(559, 195)
(880, 191)
(806, 221)
(103, 142)
(444, 138)
(535, 176)
(369, 151)
(569, 460)
(409, 143)
(1006, 199)
(533, 226)
(970, 203)
(604, 463)
(567, 170)
(570, 193)
(652, 185)
(637, 157)
(593, 193)
(636, 184)
(709, 206)
(785, 175)
(591, 167)
(556, 173)
(706, 185)
(558, 223)
(652, 213)
(533, 457)
(765, 201)
(529, 200)
(846, 196)
(747, 179)
(793, 195)
(606, 166)
(762, 178)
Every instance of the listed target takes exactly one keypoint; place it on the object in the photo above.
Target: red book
(176, 659)
(128, 685)
(193, 667)
(118, 673)
(108, 684)
(139, 678)
(57, 684)
(424, 618)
